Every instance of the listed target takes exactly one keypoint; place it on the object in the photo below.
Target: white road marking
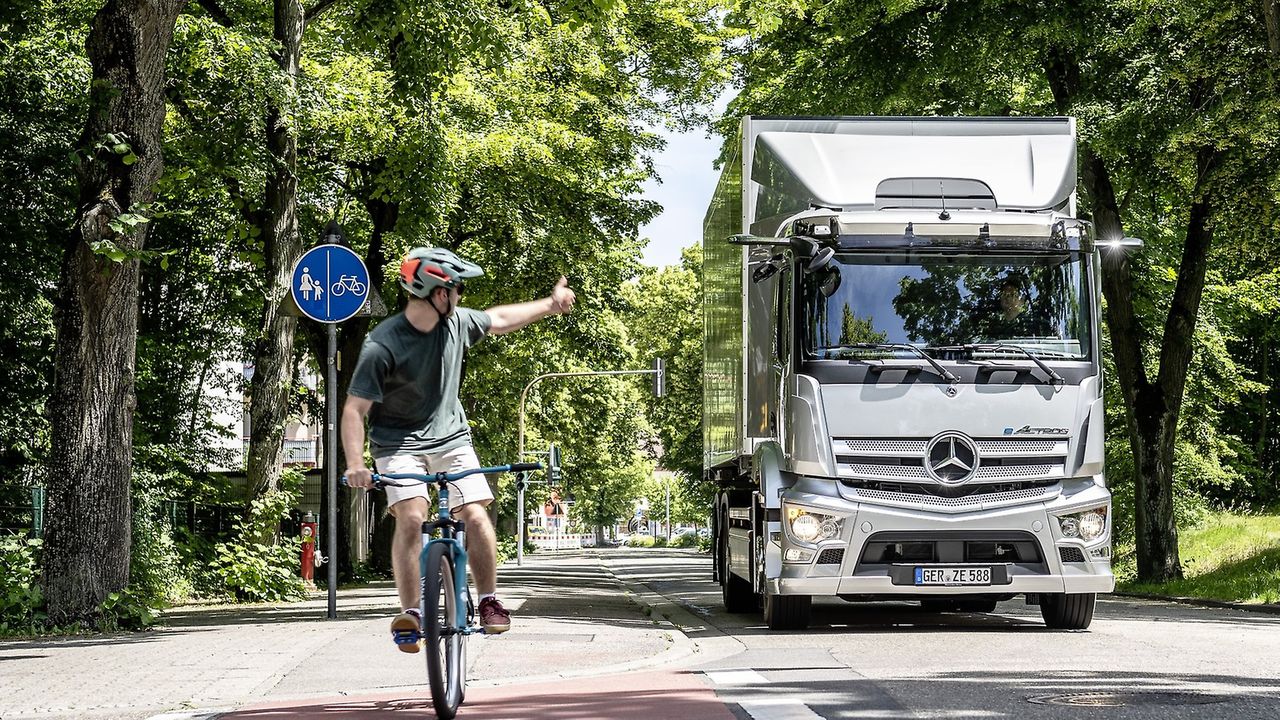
(778, 709)
(737, 677)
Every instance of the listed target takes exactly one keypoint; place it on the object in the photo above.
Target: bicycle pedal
(407, 640)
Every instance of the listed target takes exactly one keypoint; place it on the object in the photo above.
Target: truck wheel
(736, 592)
(1068, 611)
(787, 612)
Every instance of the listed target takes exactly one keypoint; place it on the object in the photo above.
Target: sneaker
(406, 630)
(493, 617)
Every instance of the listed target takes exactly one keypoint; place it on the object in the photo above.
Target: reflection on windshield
(1038, 302)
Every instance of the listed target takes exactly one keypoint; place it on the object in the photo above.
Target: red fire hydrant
(309, 529)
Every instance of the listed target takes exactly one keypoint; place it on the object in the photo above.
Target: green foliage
(507, 548)
(644, 541)
(255, 566)
(157, 574)
(128, 610)
(43, 76)
(687, 540)
(21, 602)
(1228, 556)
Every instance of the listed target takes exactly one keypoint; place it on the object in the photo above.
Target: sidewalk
(571, 619)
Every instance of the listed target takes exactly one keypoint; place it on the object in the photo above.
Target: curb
(1266, 608)
(668, 612)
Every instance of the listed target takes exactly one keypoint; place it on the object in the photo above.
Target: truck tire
(736, 592)
(787, 612)
(1068, 611)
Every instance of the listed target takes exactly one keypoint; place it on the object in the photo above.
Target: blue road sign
(330, 283)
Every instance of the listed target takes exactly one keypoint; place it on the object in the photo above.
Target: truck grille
(956, 500)
(831, 556)
(1071, 554)
(1000, 460)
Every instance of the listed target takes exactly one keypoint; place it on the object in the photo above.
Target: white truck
(903, 387)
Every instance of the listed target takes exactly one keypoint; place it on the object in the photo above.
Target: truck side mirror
(768, 269)
(830, 282)
(821, 260)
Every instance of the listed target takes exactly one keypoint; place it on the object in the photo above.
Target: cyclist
(406, 384)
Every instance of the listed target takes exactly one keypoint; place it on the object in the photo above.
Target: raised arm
(507, 318)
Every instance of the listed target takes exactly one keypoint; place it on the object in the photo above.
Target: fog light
(1092, 526)
(797, 555)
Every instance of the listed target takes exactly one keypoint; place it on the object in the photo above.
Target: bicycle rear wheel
(446, 647)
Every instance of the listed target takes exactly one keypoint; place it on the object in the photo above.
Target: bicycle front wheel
(446, 644)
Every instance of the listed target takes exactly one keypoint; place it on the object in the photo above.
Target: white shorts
(470, 489)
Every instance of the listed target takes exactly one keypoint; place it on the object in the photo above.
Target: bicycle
(443, 562)
(345, 283)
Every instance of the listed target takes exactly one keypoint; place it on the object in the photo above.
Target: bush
(685, 540)
(21, 601)
(640, 541)
(256, 566)
(507, 548)
(157, 574)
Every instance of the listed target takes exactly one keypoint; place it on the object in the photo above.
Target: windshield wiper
(1054, 377)
(937, 367)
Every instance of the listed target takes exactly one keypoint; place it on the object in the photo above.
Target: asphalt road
(1139, 659)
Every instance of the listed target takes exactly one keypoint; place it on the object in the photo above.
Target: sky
(687, 181)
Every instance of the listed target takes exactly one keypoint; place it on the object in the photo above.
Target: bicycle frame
(452, 533)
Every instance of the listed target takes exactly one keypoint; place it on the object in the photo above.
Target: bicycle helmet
(427, 268)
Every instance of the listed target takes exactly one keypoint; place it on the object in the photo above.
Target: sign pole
(330, 284)
(331, 464)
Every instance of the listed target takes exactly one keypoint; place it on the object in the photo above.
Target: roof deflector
(1024, 164)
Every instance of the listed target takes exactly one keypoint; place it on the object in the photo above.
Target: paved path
(571, 619)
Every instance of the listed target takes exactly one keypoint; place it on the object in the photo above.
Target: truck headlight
(1088, 525)
(808, 526)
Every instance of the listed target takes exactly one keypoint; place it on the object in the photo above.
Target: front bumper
(863, 522)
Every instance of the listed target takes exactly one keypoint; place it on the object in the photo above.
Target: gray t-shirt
(412, 378)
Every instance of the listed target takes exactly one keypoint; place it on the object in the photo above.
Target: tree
(665, 320)
(91, 406)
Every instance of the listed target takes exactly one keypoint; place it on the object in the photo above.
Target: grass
(1230, 556)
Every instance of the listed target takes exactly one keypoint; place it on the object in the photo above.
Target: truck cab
(903, 385)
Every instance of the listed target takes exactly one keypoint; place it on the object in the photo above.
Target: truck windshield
(1037, 302)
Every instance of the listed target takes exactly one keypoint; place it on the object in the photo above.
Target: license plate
(953, 576)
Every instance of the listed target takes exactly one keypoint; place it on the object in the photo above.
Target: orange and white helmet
(427, 268)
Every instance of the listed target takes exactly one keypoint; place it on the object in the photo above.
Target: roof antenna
(942, 192)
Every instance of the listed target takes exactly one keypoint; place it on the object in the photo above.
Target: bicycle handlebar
(380, 479)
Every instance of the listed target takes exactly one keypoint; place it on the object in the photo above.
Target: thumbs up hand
(562, 297)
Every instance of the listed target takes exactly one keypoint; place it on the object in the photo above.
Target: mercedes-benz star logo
(951, 458)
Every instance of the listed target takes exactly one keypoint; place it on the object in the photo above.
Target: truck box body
(929, 396)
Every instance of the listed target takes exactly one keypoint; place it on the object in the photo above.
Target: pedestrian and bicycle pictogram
(330, 283)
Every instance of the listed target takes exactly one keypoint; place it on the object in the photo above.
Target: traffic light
(659, 377)
(553, 464)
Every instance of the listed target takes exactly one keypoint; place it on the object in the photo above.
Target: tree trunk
(88, 535)
(273, 352)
